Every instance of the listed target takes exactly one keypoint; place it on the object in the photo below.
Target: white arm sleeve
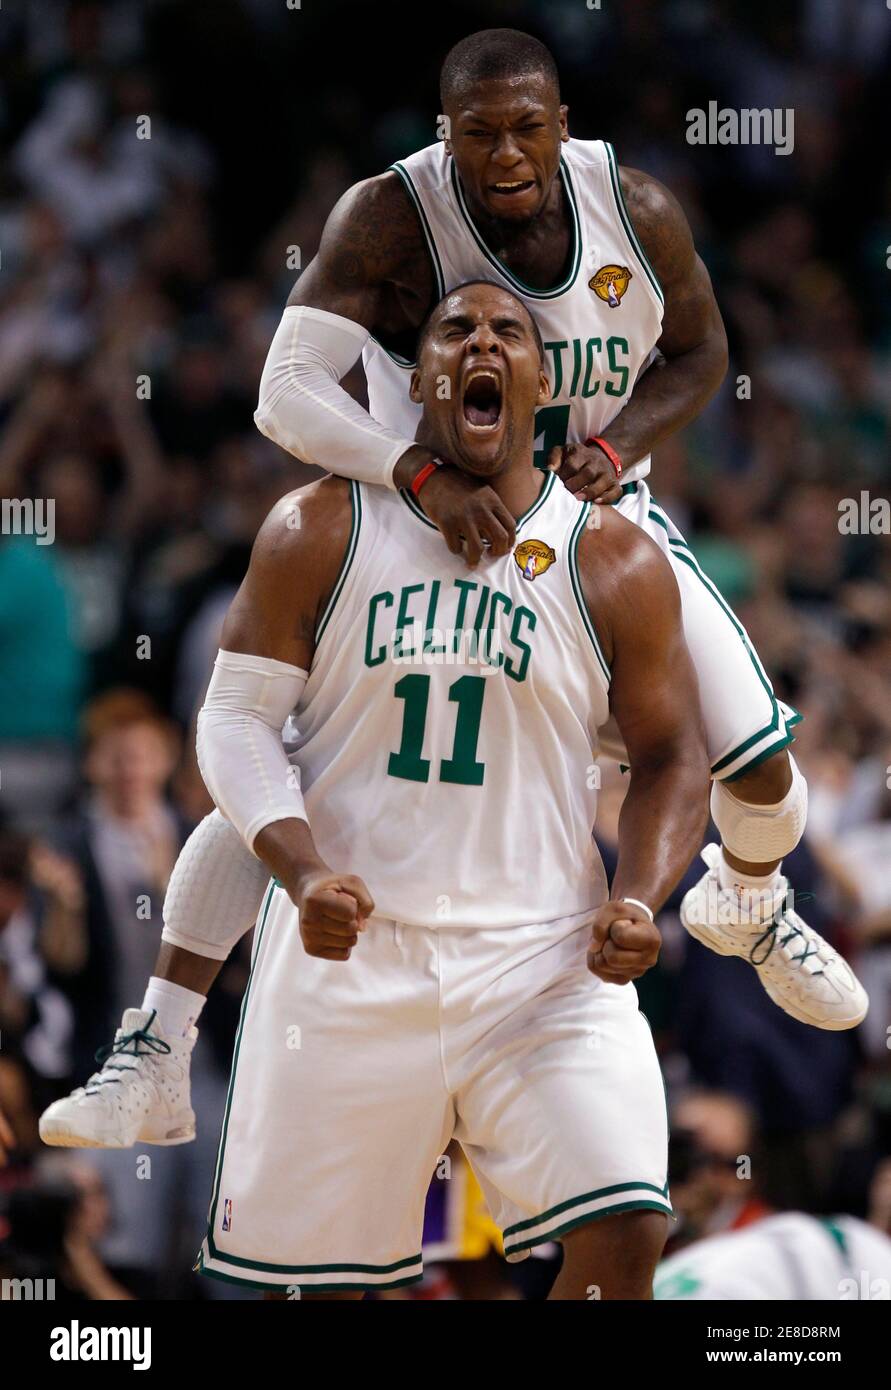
(303, 408)
(240, 751)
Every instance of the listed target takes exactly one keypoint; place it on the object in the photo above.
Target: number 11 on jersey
(467, 693)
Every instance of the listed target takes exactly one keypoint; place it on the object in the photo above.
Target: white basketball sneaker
(799, 970)
(140, 1094)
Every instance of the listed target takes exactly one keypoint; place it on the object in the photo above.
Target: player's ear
(414, 389)
(544, 388)
(563, 117)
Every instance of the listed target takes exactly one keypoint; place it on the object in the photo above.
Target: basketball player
(603, 258)
(792, 1256)
(420, 966)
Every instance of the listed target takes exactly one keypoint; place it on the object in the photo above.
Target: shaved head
(494, 54)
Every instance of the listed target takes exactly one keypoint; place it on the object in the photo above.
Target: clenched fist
(624, 943)
(333, 910)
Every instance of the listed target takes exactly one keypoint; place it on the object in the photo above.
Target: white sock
(176, 1007)
(753, 883)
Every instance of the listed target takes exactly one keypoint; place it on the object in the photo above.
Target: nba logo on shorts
(227, 1213)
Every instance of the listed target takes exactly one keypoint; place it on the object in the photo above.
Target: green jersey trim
(397, 361)
(405, 176)
(577, 584)
(539, 501)
(683, 552)
(410, 189)
(778, 723)
(627, 223)
(837, 1235)
(499, 265)
(356, 506)
(417, 510)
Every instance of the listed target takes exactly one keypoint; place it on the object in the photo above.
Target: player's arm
(267, 647)
(693, 346)
(372, 274)
(635, 606)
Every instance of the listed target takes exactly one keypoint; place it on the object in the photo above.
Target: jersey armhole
(408, 185)
(439, 282)
(575, 579)
(347, 562)
(395, 358)
(627, 224)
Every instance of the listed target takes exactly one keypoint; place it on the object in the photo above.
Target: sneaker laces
(770, 939)
(139, 1043)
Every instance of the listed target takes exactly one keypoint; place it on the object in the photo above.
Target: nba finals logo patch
(534, 557)
(227, 1214)
(610, 283)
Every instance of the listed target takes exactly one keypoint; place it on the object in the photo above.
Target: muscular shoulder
(372, 236)
(626, 579)
(301, 545)
(660, 224)
(294, 566)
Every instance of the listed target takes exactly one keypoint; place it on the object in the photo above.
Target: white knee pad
(760, 834)
(215, 891)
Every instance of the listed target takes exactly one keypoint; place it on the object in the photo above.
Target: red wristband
(609, 451)
(423, 474)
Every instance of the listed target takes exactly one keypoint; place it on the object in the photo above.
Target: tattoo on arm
(372, 260)
(692, 317)
(347, 268)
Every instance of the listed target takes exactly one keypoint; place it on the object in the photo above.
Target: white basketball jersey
(447, 733)
(791, 1256)
(600, 325)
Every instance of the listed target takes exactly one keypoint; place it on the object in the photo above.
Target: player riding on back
(634, 348)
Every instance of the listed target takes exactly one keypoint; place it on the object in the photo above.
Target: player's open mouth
(509, 187)
(482, 401)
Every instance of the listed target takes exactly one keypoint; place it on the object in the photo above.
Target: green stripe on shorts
(590, 1206)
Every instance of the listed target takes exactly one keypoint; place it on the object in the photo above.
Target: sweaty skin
(373, 267)
(634, 604)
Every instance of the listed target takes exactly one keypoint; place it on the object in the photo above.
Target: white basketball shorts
(350, 1078)
(744, 721)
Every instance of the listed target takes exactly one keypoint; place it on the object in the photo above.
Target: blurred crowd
(144, 269)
